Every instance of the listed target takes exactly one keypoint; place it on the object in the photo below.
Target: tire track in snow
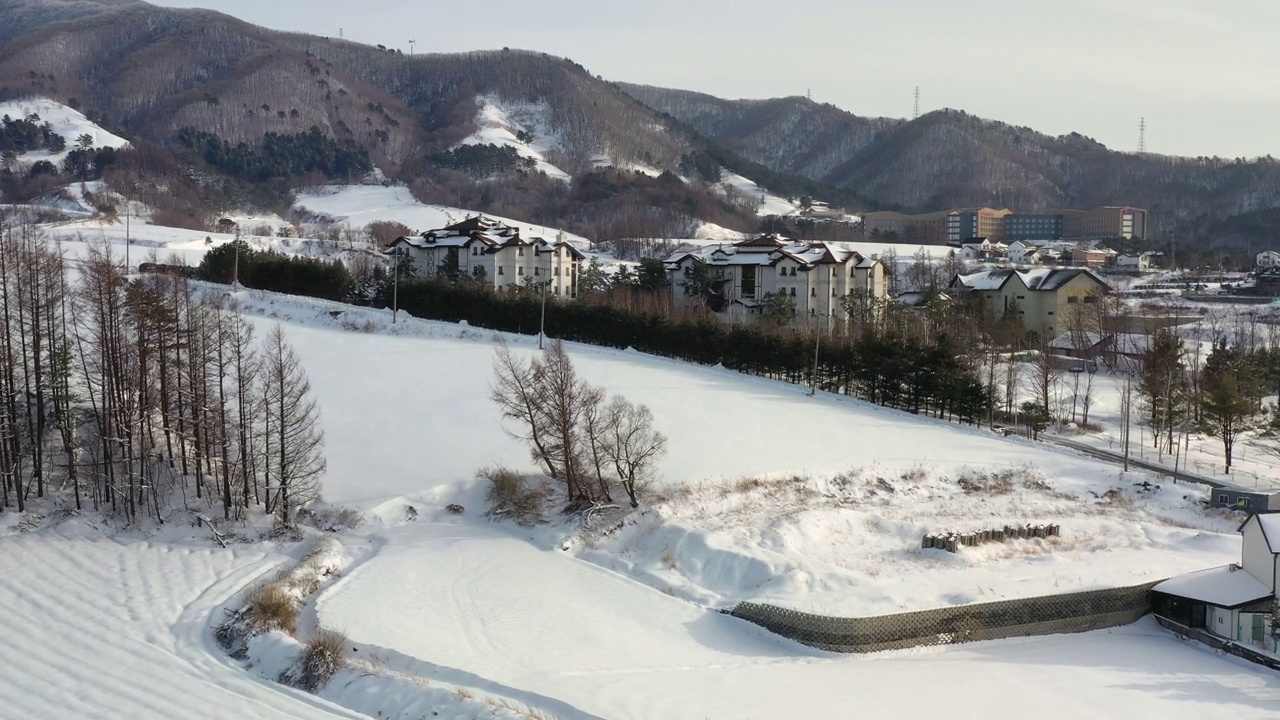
(99, 629)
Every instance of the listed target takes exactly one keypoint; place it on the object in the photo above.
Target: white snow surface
(67, 122)
(490, 602)
(100, 628)
(770, 204)
(360, 205)
(499, 121)
(848, 546)
(96, 629)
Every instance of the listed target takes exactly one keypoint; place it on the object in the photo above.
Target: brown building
(939, 228)
(1104, 222)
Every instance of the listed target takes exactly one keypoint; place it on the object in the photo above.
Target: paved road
(1135, 462)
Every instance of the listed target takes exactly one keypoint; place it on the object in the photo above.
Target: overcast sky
(1204, 74)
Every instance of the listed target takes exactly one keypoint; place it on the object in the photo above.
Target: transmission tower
(915, 111)
(1142, 135)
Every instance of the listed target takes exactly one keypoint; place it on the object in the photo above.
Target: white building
(1234, 601)
(816, 276)
(1269, 258)
(495, 254)
(1140, 262)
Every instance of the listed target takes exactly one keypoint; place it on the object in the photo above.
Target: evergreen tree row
(280, 155)
(25, 134)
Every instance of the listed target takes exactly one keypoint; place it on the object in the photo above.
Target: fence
(1045, 615)
(952, 542)
(1213, 641)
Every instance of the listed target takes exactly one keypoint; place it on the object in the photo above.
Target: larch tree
(293, 422)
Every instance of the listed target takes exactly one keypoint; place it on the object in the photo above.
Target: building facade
(1043, 298)
(1025, 226)
(823, 280)
(495, 254)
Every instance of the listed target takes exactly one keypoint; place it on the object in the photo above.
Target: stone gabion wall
(1045, 615)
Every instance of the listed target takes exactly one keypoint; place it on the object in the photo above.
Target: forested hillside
(952, 159)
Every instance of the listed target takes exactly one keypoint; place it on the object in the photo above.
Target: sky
(1204, 75)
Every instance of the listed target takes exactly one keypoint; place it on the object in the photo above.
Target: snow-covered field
(101, 629)
(626, 627)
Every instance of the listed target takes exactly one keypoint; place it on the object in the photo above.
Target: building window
(500, 269)
(557, 271)
(1090, 299)
(520, 252)
(1224, 499)
(475, 251)
(520, 271)
(793, 292)
(537, 271)
(1049, 313)
(1073, 300)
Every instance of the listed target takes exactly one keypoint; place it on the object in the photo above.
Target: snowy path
(96, 629)
(473, 598)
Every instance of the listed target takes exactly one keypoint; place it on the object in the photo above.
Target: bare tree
(293, 422)
(517, 389)
(633, 445)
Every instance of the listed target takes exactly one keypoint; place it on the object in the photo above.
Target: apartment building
(1104, 222)
(1043, 298)
(816, 276)
(939, 228)
(1030, 226)
(496, 254)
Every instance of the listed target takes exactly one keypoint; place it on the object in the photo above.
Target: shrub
(270, 606)
(511, 496)
(323, 656)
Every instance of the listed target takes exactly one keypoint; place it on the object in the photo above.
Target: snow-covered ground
(96, 628)
(770, 204)
(67, 122)
(467, 595)
(615, 630)
(847, 545)
(360, 205)
(499, 121)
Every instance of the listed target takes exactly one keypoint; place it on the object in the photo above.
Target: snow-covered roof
(1046, 279)
(490, 233)
(769, 249)
(1228, 586)
(1270, 524)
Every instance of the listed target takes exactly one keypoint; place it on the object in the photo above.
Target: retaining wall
(1045, 615)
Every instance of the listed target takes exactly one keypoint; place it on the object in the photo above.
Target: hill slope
(951, 159)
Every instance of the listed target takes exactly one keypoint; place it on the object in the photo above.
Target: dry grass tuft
(511, 496)
(324, 655)
(270, 606)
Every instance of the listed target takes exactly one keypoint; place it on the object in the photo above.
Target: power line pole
(395, 287)
(817, 342)
(411, 47)
(542, 322)
(128, 241)
(1142, 135)
(915, 111)
(235, 267)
